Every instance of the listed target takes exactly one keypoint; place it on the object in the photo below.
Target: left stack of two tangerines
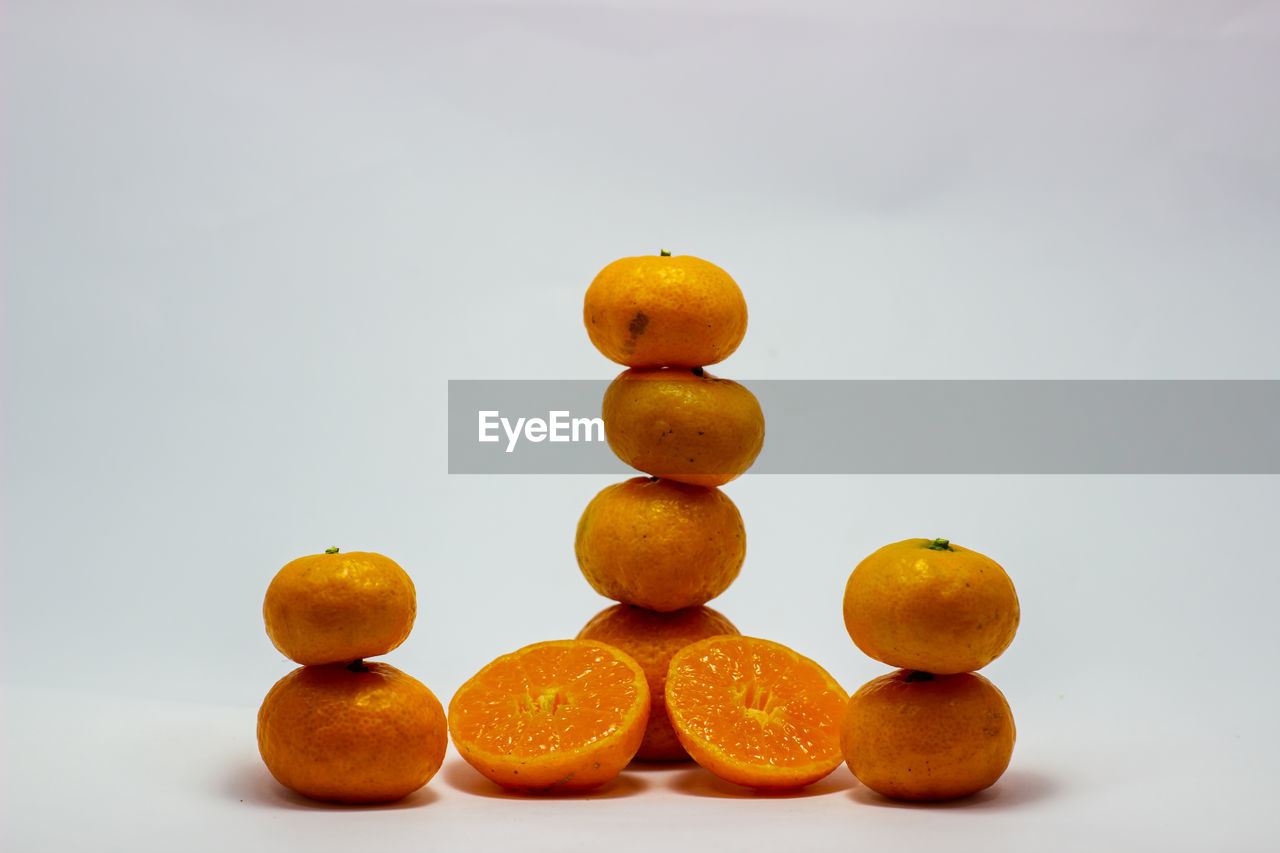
(340, 728)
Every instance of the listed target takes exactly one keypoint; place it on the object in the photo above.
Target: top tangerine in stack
(665, 311)
(667, 317)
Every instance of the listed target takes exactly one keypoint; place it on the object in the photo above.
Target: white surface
(246, 247)
(156, 776)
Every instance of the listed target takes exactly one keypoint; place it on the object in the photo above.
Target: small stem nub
(664, 253)
(697, 371)
(357, 665)
(918, 675)
(940, 545)
(331, 550)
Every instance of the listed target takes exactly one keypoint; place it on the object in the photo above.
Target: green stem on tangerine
(331, 550)
(663, 253)
(940, 545)
(918, 675)
(357, 665)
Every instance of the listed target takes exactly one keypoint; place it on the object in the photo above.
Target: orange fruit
(554, 717)
(915, 736)
(658, 310)
(334, 608)
(652, 639)
(684, 425)
(352, 733)
(930, 605)
(755, 712)
(660, 544)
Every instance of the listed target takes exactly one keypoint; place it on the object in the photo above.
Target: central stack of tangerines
(659, 676)
(751, 711)
(666, 544)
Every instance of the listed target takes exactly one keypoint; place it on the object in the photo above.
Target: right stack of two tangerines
(934, 729)
(666, 544)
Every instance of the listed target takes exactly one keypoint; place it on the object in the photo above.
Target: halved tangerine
(554, 717)
(756, 713)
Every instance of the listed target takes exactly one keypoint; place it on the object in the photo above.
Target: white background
(247, 244)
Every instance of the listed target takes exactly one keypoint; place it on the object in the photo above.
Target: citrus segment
(335, 608)
(754, 712)
(553, 717)
(915, 736)
(684, 425)
(660, 544)
(353, 733)
(931, 605)
(659, 310)
(652, 639)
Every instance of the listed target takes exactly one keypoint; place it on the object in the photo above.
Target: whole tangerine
(684, 425)
(352, 733)
(916, 736)
(334, 608)
(664, 310)
(652, 639)
(931, 605)
(660, 544)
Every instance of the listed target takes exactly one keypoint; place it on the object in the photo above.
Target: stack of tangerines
(659, 675)
(666, 544)
(340, 728)
(934, 729)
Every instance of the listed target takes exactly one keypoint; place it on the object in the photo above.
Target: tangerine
(931, 605)
(756, 713)
(660, 544)
(683, 425)
(334, 608)
(561, 716)
(912, 735)
(658, 310)
(352, 733)
(652, 639)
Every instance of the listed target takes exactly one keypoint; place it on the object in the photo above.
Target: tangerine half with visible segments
(755, 712)
(561, 716)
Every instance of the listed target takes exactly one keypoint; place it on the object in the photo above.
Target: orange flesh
(756, 712)
(560, 716)
(561, 699)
